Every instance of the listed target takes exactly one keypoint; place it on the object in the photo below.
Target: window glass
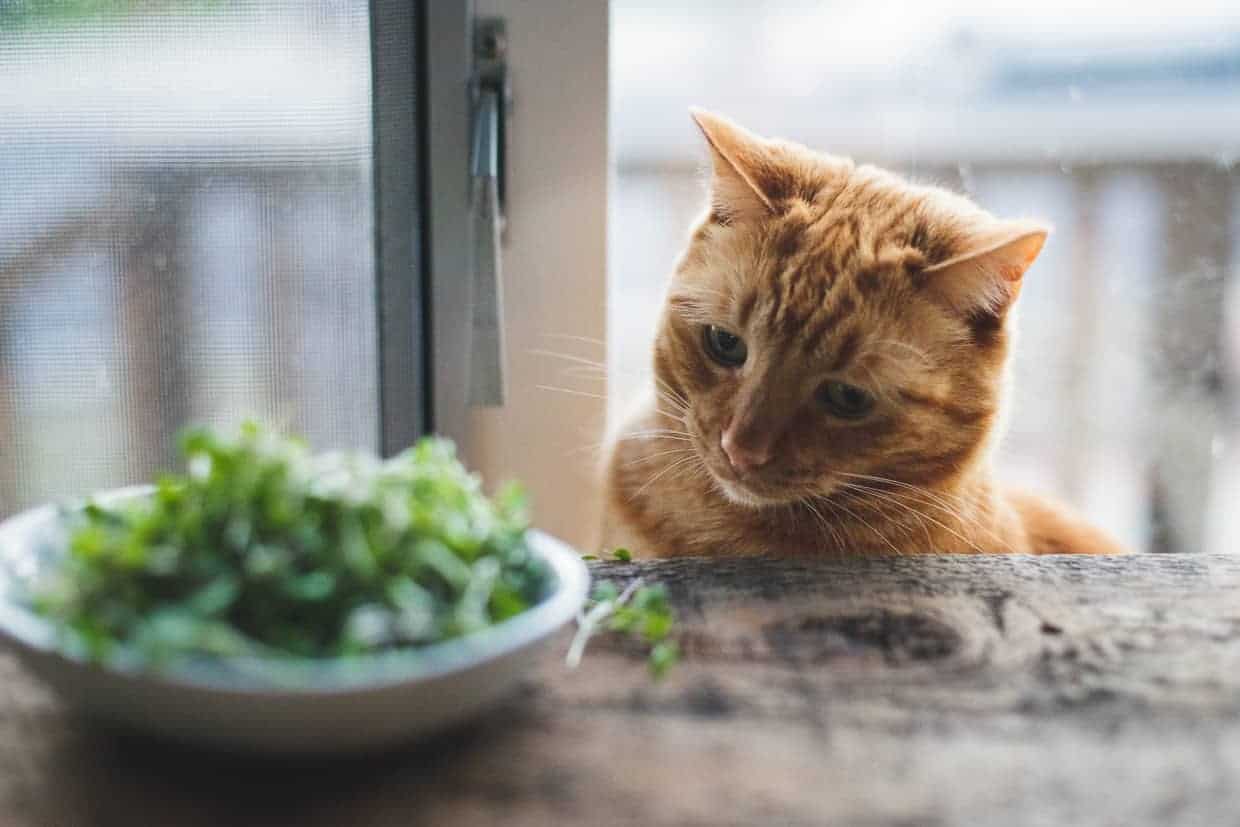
(186, 231)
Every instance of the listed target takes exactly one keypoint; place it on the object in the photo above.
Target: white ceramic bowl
(317, 706)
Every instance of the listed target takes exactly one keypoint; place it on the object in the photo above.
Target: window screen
(186, 232)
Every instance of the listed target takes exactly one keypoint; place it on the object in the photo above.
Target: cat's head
(830, 323)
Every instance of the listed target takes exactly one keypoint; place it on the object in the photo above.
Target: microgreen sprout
(262, 548)
(622, 555)
(640, 611)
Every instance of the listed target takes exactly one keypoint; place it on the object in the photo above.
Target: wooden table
(907, 691)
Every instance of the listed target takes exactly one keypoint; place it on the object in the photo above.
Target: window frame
(421, 68)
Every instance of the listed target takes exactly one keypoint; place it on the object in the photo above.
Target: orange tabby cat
(830, 370)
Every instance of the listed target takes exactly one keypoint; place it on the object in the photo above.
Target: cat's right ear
(739, 160)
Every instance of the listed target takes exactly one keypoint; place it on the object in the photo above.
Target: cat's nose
(742, 456)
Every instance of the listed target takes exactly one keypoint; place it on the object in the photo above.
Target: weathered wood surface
(915, 691)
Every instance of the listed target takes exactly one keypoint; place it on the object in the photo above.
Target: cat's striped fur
(831, 272)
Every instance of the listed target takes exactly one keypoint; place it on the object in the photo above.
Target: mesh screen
(186, 232)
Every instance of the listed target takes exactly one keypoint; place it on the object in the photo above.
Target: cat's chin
(738, 494)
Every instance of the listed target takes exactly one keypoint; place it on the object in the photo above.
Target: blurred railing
(186, 232)
(185, 293)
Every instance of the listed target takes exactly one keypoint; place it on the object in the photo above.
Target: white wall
(554, 263)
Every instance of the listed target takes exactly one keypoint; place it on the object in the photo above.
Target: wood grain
(996, 690)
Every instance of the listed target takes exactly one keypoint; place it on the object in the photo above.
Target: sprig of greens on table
(623, 555)
(261, 548)
(640, 611)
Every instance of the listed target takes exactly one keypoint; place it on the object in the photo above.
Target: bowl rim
(34, 636)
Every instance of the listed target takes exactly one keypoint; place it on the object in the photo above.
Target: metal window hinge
(492, 101)
(491, 90)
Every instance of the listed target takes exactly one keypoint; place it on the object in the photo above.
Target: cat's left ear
(988, 276)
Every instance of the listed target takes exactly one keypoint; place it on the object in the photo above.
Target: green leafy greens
(262, 548)
(642, 612)
(620, 555)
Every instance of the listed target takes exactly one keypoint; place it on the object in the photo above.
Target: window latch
(492, 100)
(491, 95)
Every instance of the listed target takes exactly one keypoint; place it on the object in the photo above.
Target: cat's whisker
(638, 436)
(809, 505)
(936, 500)
(867, 524)
(666, 392)
(677, 413)
(586, 362)
(649, 431)
(675, 401)
(567, 357)
(839, 535)
(883, 495)
(602, 396)
(584, 372)
(674, 416)
(584, 366)
(572, 338)
(920, 518)
(942, 498)
(691, 471)
(664, 472)
(899, 527)
(602, 374)
(657, 454)
(669, 418)
(594, 447)
(572, 392)
(681, 411)
(872, 492)
(672, 436)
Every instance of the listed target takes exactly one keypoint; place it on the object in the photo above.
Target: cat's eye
(844, 400)
(724, 347)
